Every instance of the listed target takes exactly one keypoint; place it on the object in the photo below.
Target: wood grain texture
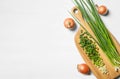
(112, 74)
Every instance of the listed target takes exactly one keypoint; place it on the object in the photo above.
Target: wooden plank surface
(112, 74)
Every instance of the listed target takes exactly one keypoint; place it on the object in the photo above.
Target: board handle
(76, 12)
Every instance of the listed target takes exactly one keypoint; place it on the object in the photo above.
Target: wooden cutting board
(112, 73)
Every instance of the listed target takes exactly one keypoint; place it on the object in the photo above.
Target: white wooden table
(34, 43)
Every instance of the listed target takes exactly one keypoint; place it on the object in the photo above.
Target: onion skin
(69, 23)
(102, 10)
(83, 68)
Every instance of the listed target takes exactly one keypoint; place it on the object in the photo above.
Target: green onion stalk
(104, 40)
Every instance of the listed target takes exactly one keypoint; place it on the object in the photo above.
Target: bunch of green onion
(104, 40)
